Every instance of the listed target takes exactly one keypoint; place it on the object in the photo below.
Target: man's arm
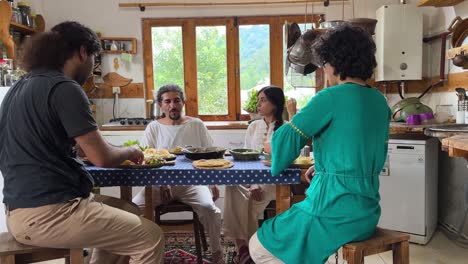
(102, 154)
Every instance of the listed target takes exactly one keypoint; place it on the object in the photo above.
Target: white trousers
(201, 200)
(260, 254)
(241, 213)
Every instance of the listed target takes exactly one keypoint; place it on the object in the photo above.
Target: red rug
(180, 249)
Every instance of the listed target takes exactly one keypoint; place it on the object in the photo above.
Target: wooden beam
(453, 81)
(235, 3)
(190, 67)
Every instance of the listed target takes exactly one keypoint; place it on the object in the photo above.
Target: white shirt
(258, 133)
(193, 132)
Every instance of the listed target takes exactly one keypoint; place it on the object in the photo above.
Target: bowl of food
(245, 154)
(204, 153)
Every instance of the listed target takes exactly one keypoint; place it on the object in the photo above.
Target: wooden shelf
(133, 42)
(22, 28)
(438, 3)
(451, 53)
(116, 51)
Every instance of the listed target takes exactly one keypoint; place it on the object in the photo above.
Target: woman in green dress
(349, 124)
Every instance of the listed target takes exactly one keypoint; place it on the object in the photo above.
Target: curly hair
(53, 48)
(349, 49)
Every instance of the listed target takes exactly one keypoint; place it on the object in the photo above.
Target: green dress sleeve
(289, 139)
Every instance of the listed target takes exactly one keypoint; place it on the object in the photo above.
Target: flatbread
(212, 164)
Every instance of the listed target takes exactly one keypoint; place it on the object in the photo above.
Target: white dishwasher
(408, 188)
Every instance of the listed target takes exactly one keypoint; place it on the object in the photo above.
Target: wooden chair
(198, 230)
(13, 252)
(383, 240)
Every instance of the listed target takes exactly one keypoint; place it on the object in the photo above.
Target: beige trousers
(201, 200)
(259, 254)
(86, 223)
(241, 213)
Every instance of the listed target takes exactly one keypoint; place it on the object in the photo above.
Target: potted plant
(250, 105)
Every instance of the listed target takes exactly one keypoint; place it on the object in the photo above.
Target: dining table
(183, 173)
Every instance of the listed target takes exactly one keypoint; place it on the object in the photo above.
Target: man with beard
(47, 191)
(171, 130)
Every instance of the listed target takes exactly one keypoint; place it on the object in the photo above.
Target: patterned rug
(180, 248)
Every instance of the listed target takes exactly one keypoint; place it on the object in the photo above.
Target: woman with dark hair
(349, 124)
(243, 204)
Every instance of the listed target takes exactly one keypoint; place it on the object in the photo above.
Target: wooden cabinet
(6, 25)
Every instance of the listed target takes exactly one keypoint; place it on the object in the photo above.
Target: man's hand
(256, 193)
(310, 173)
(135, 154)
(214, 192)
(166, 195)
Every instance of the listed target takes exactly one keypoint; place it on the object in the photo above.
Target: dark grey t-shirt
(39, 117)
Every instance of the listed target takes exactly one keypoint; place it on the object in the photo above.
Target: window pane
(168, 60)
(296, 85)
(212, 70)
(254, 57)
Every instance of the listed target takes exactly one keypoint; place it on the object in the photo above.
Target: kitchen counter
(212, 125)
(403, 128)
(457, 146)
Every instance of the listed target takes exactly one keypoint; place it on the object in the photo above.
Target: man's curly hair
(349, 49)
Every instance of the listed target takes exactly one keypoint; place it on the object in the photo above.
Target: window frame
(232, 24)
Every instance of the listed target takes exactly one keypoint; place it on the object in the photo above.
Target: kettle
(409, 106)
(155, 110)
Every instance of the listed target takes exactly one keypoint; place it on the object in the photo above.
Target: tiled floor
(440, 250)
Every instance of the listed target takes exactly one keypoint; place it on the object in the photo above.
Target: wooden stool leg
(353, 256)
(8, 259)
(76, 256)
(196, 233)
(401, 253)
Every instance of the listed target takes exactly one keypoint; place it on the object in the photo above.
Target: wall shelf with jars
(16, 23)
(117, 45)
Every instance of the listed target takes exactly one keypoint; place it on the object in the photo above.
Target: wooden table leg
(126, 193)
(149, 206)
(283, 198)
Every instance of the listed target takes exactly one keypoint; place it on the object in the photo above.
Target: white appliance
(399, 41)
(3, 228)
(408, 188)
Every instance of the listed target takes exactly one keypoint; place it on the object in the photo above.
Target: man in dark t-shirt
(47, 191)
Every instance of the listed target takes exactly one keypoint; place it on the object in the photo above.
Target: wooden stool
(198, 230)
(13, 252)
(383, 240)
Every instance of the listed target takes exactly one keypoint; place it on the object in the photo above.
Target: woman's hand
(267, 147)
(256, 193)
(310, 173)
(291, 106)
(214, 192)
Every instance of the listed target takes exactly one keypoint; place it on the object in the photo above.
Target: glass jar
(25, 10)
(33, 21)
(16, 15)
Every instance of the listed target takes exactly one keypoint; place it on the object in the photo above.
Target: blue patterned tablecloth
(183, 173)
